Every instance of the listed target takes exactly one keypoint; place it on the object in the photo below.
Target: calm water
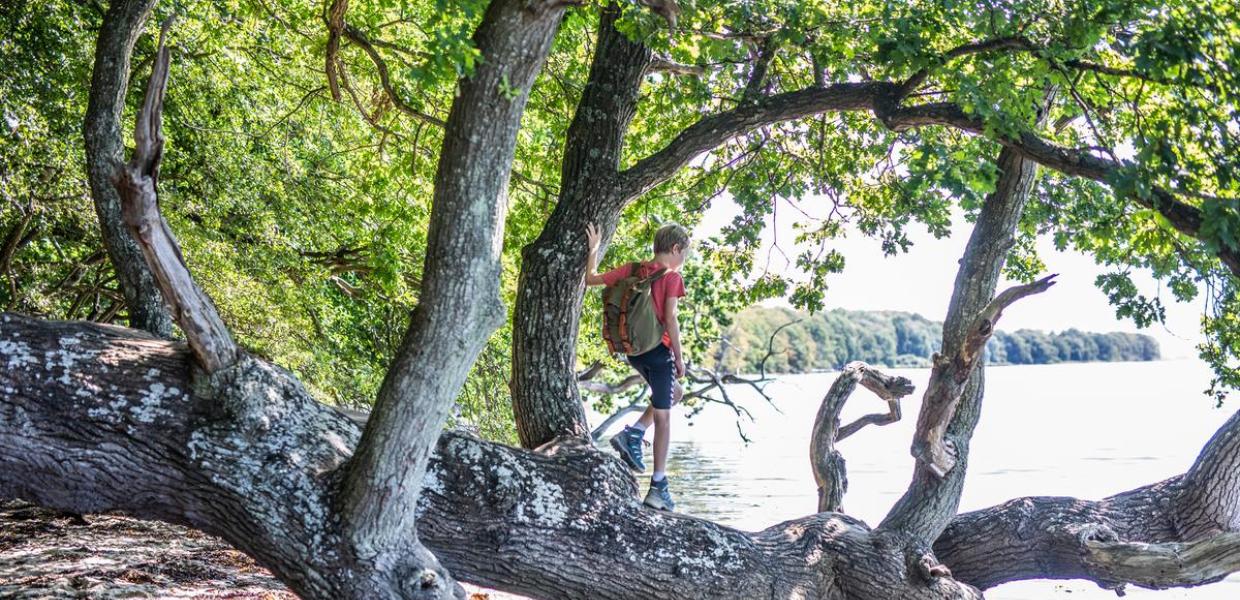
(1085, 430)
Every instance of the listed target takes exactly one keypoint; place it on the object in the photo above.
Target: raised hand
(593, 238)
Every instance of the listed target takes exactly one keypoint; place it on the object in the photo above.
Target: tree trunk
(459, 305)
(354, 512)
(545, 398)
(122, 24)
(96, 418)
(931, 500)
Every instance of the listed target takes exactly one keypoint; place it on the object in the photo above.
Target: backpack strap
(657, 275)
(625, 343)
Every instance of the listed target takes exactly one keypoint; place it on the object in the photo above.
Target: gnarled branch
(136, 182)
(950, 373)
(826, 463)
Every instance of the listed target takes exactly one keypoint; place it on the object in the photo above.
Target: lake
(1087, 430)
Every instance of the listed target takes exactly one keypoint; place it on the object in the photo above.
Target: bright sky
(920, 281)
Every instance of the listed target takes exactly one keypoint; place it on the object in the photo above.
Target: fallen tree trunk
(97, 419)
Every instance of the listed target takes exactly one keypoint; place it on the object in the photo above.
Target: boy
(660, 367)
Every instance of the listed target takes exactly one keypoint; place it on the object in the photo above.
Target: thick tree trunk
(122, 24)
(96, 418)
(1180, 532)
(459, 304)
(545, 398)
(357, 518)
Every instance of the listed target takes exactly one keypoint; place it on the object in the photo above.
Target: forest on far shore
(828, 340)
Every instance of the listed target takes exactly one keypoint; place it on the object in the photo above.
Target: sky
(920, 281)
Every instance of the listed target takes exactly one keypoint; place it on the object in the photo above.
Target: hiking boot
(629, 444)
(659, 497)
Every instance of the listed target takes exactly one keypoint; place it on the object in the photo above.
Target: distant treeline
(829, 340)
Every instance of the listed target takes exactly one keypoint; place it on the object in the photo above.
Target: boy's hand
(680, 368)
(592, 238)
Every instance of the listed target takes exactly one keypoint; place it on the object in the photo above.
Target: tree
(99, 418)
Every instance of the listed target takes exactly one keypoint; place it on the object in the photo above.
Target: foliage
(829, 340)
(305, 217)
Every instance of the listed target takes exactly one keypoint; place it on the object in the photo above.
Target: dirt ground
(45, 555)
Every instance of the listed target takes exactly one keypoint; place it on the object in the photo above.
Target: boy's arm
(592, 242)
(673, 333)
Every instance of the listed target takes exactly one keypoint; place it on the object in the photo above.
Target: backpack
(630, 325)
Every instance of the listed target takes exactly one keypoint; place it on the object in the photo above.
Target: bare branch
(770, 347)
(591, 371)
(638, 404)
(136, 182)
(599, 387)
(827, 463)
(950, 373)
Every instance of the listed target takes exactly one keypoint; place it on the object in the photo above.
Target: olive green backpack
(630, 325)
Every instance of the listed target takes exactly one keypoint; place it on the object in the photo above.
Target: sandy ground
(44, 555)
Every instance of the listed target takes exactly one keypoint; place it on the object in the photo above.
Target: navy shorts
(658, 368)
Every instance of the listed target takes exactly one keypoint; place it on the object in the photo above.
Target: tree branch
(136, 183)
(1185, 218)
(713, 130)
(826, 463)
(356, 36)
(770, 347)
(1167, 534)
(664, 65)
(459, 303)
(334, 17)
(882, 98)
(952, 371)
(930, 502)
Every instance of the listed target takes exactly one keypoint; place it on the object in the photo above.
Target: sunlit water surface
(1084, 430)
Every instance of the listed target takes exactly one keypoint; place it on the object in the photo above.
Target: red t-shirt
(670, 285)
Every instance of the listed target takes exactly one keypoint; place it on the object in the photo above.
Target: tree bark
(122, 24)
(95, 418)
(825, 461)
(545, 398)
(931, 501)
(459, 305)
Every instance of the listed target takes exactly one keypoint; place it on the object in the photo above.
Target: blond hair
(668, 236)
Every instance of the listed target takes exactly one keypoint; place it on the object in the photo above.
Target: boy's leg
(662, 438)
(646, 420)
(662, 378)
(628, 443)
